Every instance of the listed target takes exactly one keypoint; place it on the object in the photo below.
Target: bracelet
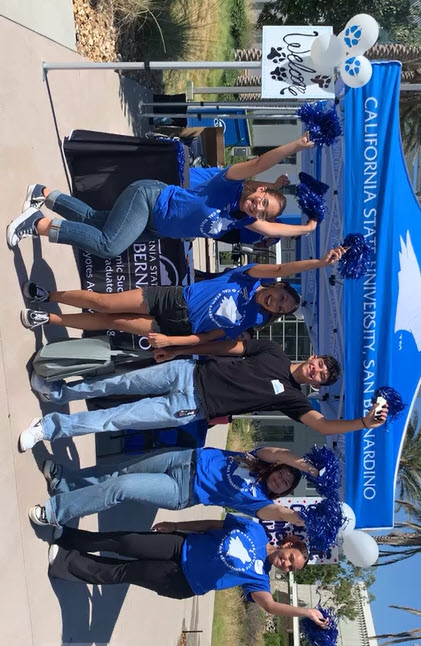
(364, 424)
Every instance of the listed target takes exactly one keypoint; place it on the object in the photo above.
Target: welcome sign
(287, 69)
(382, 311)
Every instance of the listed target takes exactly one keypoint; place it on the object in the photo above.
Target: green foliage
(240, 24)
(409, 473)
(389, 13)
(339, 581)
(273, 639)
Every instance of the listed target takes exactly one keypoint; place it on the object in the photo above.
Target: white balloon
(360, 33)
(356, 71)
(327, 51)
(349, 522)
(360, 548)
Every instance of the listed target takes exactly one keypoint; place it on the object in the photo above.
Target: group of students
(233, 376)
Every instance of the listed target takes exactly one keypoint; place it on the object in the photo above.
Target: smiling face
(280, 481)
(314, 371)
(260, 204)
(276, 300)
(288, 559)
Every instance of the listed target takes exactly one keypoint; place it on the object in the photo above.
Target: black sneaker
(33, 318)
(34, 197)
(23, 226)
(52, 473)
(35, 292)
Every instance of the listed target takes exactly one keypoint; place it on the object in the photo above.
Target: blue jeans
(169, 400)
(106, 233)
(163, 478)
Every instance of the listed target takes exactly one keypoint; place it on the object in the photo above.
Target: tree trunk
(399, 539)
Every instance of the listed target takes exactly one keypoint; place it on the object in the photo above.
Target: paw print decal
(352, 35)
(352, 66)
(322, 81)
(279, 74)
(276, 55)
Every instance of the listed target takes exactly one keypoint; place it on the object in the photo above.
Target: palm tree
(410, 461)
(405, 636)
(401, 545)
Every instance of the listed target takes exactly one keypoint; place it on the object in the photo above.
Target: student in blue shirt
(219, 554)
(176, 479)
(148, 209)
(224, 306)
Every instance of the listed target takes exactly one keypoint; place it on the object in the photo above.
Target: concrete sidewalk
(34, 118)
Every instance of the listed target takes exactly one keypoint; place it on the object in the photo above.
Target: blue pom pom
(394, 400)
(323, 520)
(311, 204)
(328, 483)
(322, 122)
(355, 262)
(180, 156)
(320, 188)
(318, 636)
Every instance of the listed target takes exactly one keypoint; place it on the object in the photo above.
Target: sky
(399, 584)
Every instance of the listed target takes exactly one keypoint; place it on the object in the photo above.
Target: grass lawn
(206, 28)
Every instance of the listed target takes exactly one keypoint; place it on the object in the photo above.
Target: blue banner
(382, 311)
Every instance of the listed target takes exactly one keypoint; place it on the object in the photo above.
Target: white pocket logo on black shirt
(278, 388)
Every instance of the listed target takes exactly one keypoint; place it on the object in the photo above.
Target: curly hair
(263, 470)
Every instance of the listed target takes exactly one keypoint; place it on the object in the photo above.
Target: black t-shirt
(259, 380)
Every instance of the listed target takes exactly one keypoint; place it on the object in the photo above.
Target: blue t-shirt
(221, 480)
(199, 176)
(224, 558)
(226, 302)
(204, 211)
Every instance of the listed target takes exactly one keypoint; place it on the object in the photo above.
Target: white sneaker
(37, 515)
(53, 550)
(31, 435)
(41, 387)
(33, 318)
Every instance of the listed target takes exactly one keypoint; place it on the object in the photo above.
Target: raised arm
(340, 426)
(297, 266)
(282, 180)
(158, 340)
(253, 167)
(279, 512)
(267, 602)
(281, 230)
(274, 455)
(187, 526)
(214, 348)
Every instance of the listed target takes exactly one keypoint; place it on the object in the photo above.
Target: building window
(259, 150)
(275, 122)
(291, 333)
(276, 433)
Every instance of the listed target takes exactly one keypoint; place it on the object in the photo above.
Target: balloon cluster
(346, 50)
(359, 547)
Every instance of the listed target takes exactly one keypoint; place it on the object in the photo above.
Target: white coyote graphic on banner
(408, 311)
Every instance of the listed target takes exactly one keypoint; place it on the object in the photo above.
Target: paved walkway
(34, 117)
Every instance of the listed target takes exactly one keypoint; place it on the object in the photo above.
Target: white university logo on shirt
(408, 315)
(214, 224)
(237, 551)
(240, 478)
(225, 311)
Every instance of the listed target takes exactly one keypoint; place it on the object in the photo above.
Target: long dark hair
(263, 469)
(247, 190)
(274, 316)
